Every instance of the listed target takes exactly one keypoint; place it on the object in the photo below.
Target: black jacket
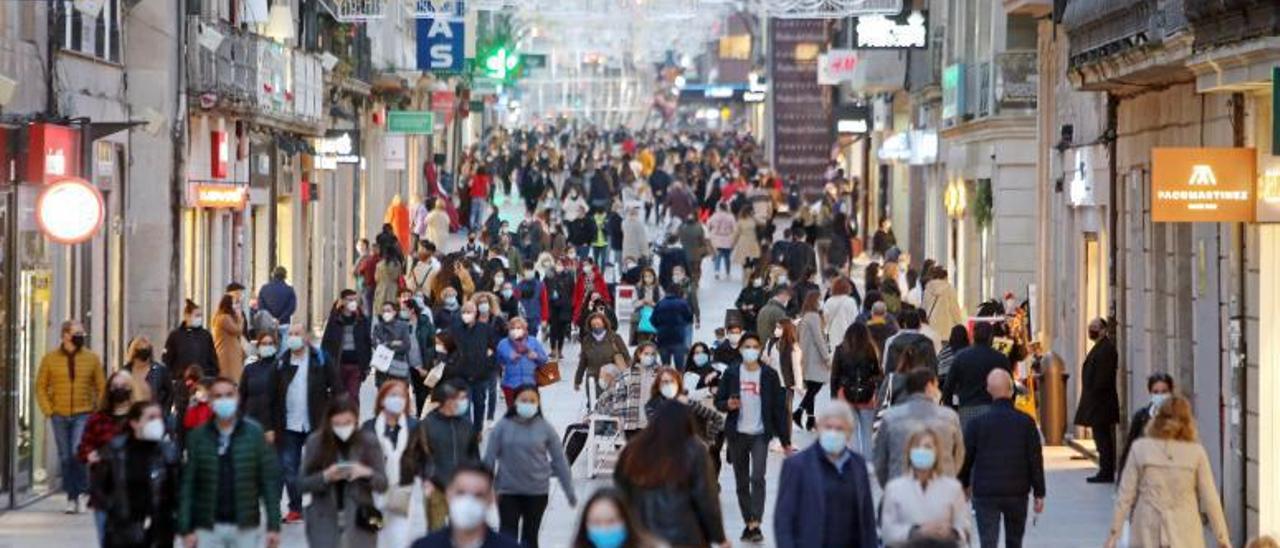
(1002, 455)
(857, 375)
(444, 538)
(190, 345)
(560, 296)
(331, 341)
(968, 376)
(682, 514)
(322, 384)
(773, 403)
(1137, 429)
(1099, 403)
(668, 259)
(800, 258)
(471, 360)
(258, 392)
(160, 381)
(451, 440)
(125, 524)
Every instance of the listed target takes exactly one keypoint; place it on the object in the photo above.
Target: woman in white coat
(393, 424)
(840, 311)
(924, 503)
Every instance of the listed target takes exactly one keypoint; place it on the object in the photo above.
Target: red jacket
(196, 416)
(580, 293)
(480, 186)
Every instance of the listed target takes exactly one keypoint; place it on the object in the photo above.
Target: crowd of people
(248, 422)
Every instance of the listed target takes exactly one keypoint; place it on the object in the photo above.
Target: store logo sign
(1211, 185)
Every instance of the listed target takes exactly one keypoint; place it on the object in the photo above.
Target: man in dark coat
(1099, 406)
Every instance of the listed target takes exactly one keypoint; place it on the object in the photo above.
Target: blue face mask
(526, 410)
(701, 359)
(923, 458)
(463, 406)
(750, 354)
(607, 537)
(832, 441)
(224, 408)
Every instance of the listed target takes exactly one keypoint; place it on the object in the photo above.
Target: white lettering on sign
(1202, 175)
(878, 31)
(55, 162)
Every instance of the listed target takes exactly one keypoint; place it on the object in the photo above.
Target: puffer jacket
(450, 440)
(942, 306)
(257, 478)
(110, 484)
(720, 228)
(683, 514)
(59, 392)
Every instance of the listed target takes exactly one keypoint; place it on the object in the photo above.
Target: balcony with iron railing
(1005, 84)
(1017, 81)
(252, 75)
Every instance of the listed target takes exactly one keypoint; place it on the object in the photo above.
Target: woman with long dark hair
(342, 469)
(855, 374)
(957, 341)
(666, 475)
(608, 522)
(136, 481)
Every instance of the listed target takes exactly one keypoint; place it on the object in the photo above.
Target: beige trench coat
(1165, 487)
(745, 243)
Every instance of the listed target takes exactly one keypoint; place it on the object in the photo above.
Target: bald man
(1002, 465)
(1099, 407)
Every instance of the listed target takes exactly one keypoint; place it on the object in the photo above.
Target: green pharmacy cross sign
(411, 122)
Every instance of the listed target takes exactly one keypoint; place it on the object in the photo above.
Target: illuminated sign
(718, 92)
(909, 30)
(836, 66)
(219, 155)
(70, 210)
(753, 97)
(1269, 196)
(1211, 185)
(339, 146)
(54, 152)
(851, 126)
(219, 196)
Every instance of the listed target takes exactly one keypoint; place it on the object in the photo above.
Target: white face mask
(517, 333)
(344, 432)
(352, 306)
(466, 511)
(468, 317)
(153, 430)
(196, 321)
(393, 404)
(668, 390)
(388, 316)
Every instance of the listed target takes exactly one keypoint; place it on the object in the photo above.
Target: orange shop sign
(1203, 185)
(216, 196)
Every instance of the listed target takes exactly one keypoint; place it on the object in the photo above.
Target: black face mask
(143, 354)
(120, 395)
(77, 340)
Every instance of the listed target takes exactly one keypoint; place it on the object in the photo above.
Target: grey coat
(904, 418)
(813, 349)
(398, 336)
(326, 527)
(525, 453)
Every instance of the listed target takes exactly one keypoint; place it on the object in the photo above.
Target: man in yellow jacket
(68, 386)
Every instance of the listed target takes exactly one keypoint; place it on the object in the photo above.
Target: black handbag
(369, 518)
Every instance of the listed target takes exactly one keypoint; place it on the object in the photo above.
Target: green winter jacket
(257, 478)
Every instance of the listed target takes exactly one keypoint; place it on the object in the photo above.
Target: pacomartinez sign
(1206, 185)
(802, 128)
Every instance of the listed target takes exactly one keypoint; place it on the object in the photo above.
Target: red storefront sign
(219, 155)
(52, 151)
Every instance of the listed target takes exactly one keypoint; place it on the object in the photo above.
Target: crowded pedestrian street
(639, 273)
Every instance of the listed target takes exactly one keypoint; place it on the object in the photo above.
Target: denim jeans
(989, 511)
(723, 258)
(290, 451)
(67, 431)
(600, 254)
(479, 392)
(749, 455)
(583, 251)
(673, 355)
(227, 535)
(477, 214)
(866, 420)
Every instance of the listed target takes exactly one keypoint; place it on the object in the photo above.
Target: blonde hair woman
(924, 502)
(1167, 484)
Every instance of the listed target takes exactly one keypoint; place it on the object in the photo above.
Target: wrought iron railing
(1016, 80)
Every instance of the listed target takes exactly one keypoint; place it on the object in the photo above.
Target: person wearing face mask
(258, 385)
(674, 319)
(470, 493)
(601, 346)
(918, 409)
(347, 337)
(69, 386)
(508, 302)
(151, 379)
(668, 385)
(519, 355)
(1160, 386)
(449, 439)
(924, 502)
(104, 424)
(559, 291)
(393, 331)
(774, 310)
(622, 390)
(342, 472)
(473, 363)
(727, 354)
(824, 494)
(447, 312)
(404, 458)
(755, 401)
(190, 343)
(136, 479)
(699, 363)
(228, 337)
(608, 521)
(531, 296)
(746, 241)
(525, 450)
(307, 382)
(489, 310)
(589, 282)
(215, 507)
(751, 299)
(1099, 407)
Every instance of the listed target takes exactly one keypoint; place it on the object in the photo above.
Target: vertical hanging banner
(802, 129)
(442, 37)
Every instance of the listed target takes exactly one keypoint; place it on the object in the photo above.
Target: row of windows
(95, 36)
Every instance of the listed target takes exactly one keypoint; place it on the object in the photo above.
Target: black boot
(797, 417)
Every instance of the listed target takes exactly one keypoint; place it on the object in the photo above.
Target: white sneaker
(73, 507)
(82, 504)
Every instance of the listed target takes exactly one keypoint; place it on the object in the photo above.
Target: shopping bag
(382, 357)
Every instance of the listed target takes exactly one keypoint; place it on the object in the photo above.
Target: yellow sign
(1203, 185)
